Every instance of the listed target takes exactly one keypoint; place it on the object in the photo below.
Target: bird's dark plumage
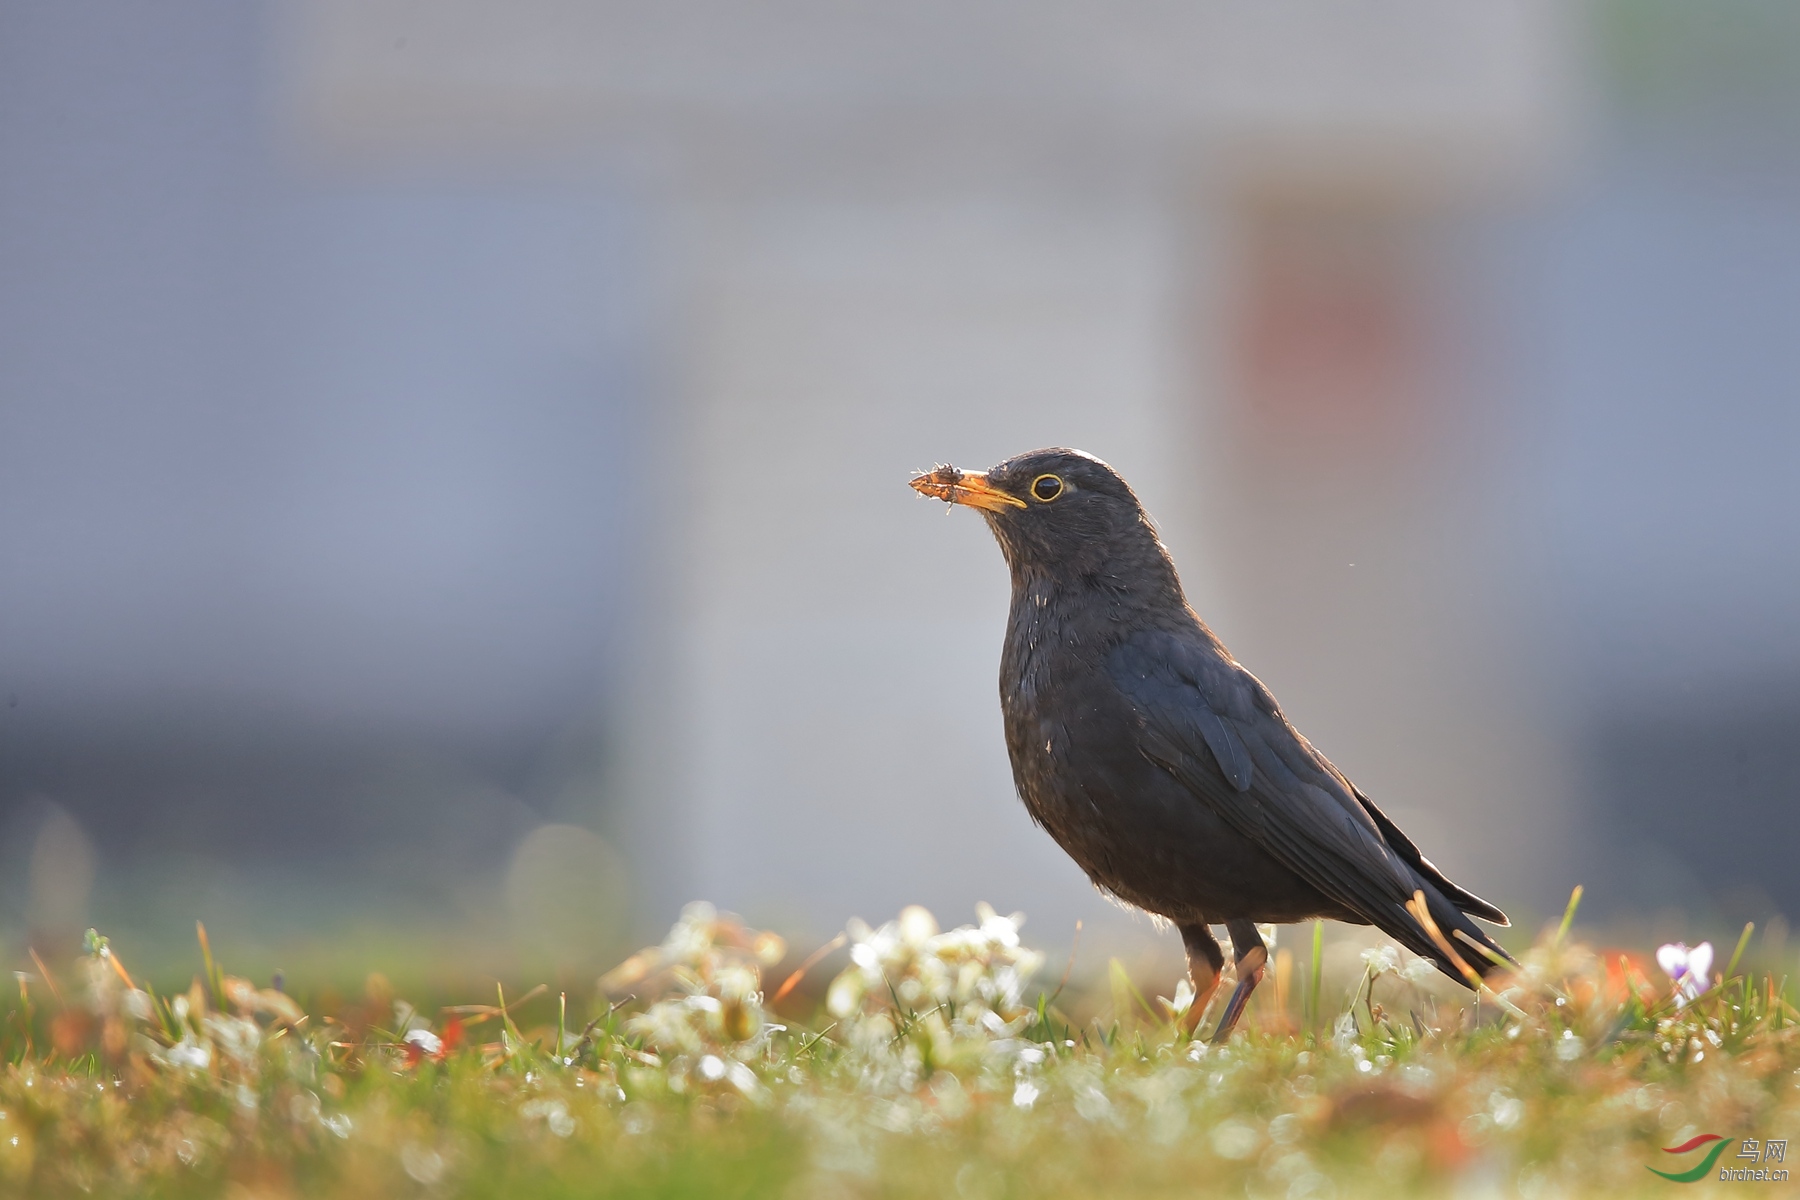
(1164, 768)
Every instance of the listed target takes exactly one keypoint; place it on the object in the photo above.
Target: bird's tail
(1432, 927)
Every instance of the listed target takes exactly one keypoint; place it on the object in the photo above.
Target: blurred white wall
(303, 576)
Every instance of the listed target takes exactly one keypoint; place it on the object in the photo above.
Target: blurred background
(453, 456)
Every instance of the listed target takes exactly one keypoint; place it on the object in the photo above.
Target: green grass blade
(1318, 975)
(1743, 940)
(1562, 931)
(215, 979)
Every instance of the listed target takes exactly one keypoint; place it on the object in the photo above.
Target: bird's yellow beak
(965, 487)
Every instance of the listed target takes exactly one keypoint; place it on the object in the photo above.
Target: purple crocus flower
(1687, 967)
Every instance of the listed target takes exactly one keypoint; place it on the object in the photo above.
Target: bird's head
(1057, 512)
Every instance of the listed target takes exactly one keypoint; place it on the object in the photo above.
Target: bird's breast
(1068, 731)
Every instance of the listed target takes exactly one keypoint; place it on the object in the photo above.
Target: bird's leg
(1252, 958)
(1205, 961)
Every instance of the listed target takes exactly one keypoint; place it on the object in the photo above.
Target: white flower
(1004, 930)
(917, 925)
(188, 1053)
(1184, 995)
(238, 1038)
(1381, 960)
(428, 1042)
(845, 994)
(1418, 970)
(1688, 968)
(667, 1025)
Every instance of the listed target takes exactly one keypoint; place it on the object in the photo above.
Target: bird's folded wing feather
(1214, 727)
(1402, 845)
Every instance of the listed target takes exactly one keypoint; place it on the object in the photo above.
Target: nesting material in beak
(965, 487)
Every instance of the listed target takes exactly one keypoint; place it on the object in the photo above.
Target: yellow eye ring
(1047, 487)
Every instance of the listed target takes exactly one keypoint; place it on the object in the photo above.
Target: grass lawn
(936, 1064)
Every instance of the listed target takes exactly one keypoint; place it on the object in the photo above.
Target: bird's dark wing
(1214, 727)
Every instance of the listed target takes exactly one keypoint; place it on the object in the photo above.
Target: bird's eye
(1047, 487)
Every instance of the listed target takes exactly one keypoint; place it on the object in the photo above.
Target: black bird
(1164, 768)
